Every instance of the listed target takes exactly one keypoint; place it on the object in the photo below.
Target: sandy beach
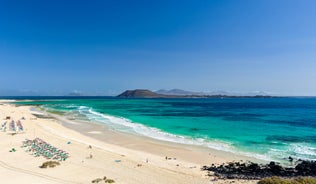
(96, 151)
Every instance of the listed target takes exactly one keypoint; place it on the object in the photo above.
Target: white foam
(295, 150)
(303, 150)
(94, 132)
(7, 100)
(126, 125)
(123, 124)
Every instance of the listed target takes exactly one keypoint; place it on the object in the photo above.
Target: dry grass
(299, 180)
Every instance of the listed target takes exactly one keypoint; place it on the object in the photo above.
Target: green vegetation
(49, 164)
(299, 180)
(13, 150)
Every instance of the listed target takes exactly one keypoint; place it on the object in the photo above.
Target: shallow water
(264, 128)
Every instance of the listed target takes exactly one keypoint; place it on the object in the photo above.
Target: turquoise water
(268, 129)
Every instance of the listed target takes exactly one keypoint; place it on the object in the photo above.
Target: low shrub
(96, 180)
(109, 181)
(299, 180)
(49, 164)
(104, 179)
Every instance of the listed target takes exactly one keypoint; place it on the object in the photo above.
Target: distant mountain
(144, 93)
(140, 93)
(75, 93)
(213, 93)
(9, 92)
(177, 92)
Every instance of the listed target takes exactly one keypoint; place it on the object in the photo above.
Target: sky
(103, 47)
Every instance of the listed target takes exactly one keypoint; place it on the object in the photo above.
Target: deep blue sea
(264, 128)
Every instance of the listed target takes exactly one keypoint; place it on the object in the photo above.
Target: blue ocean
(264, 128)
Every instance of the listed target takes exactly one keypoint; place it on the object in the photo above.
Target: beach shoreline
(125, 158)
(191, 153)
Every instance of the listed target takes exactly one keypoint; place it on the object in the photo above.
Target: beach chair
(3, 126)
(12, 126)
(20, 126)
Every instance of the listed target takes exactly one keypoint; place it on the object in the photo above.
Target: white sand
(22, 167)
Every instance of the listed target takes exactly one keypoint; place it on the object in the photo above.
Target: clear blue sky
(104, 47)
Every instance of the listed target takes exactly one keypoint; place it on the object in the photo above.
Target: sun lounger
(42, 148)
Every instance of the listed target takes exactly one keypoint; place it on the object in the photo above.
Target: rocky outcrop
(250, 170)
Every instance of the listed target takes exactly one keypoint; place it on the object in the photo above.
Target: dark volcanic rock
(250, 170)
(306, 168)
